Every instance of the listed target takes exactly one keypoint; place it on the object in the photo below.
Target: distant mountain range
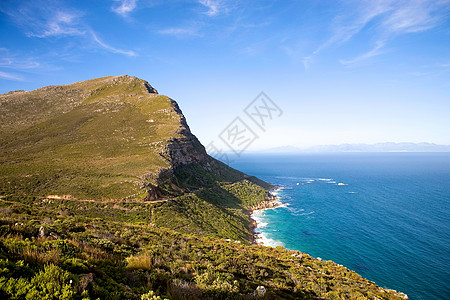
(378, 147)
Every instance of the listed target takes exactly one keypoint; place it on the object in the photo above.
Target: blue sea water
(388, 219)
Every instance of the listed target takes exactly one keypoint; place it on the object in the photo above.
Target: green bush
(49, 284)
(151, 296)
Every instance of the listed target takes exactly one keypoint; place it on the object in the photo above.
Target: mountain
(112, 137)
(378, 147)
(281, 150)
(117, 138)
(106, 194)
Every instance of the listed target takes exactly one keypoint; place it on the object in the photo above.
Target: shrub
(142, 261)
(51, 283)
(151, 296)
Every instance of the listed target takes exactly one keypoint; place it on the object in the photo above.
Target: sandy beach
(257, 212)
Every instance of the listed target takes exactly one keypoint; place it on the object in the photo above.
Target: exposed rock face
(153, 193)
(186, 149)
(180, 152)
(271, 202)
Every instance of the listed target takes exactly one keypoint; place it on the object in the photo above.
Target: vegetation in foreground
(62, 249)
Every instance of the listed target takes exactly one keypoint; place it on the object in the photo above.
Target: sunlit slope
(95, 138)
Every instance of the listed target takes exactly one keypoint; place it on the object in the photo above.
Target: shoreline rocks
(272, 202)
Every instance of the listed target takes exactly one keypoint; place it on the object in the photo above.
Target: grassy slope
(126, 256)
(93, 139)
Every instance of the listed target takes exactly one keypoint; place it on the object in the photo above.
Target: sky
(331, 72)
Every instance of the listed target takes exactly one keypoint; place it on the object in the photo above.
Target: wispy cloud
(346, 26)
(434, 69)
(17, 63)
(255, 48)
(10, 76)
(388, 19)
(375, 51)
(61, 23)
(213, 6)
(181, 32)
(110, 48)
(308, 60)
(444, 65)
(413, 16)
(124, 7)
(49, 19)
(43, 20)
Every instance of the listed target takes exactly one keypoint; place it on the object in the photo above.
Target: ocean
(383, 215)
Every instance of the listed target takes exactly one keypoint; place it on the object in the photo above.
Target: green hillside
(91, 139)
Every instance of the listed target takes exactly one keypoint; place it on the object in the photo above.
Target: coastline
(272, 203)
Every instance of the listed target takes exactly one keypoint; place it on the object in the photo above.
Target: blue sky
(341, 71)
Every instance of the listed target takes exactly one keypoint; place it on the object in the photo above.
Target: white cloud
(180, 32)
(346, 26)
(434, 69)
(11, 61)
(307, 61)
(213, 6)
(124, 7)
(10, 76)
(59, 24)
(43, 20)
(110, 48)
(412, 16)
(21, 63)
(375, 51)
(389, 18)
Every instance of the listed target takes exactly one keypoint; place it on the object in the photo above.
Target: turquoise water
(389, 219)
